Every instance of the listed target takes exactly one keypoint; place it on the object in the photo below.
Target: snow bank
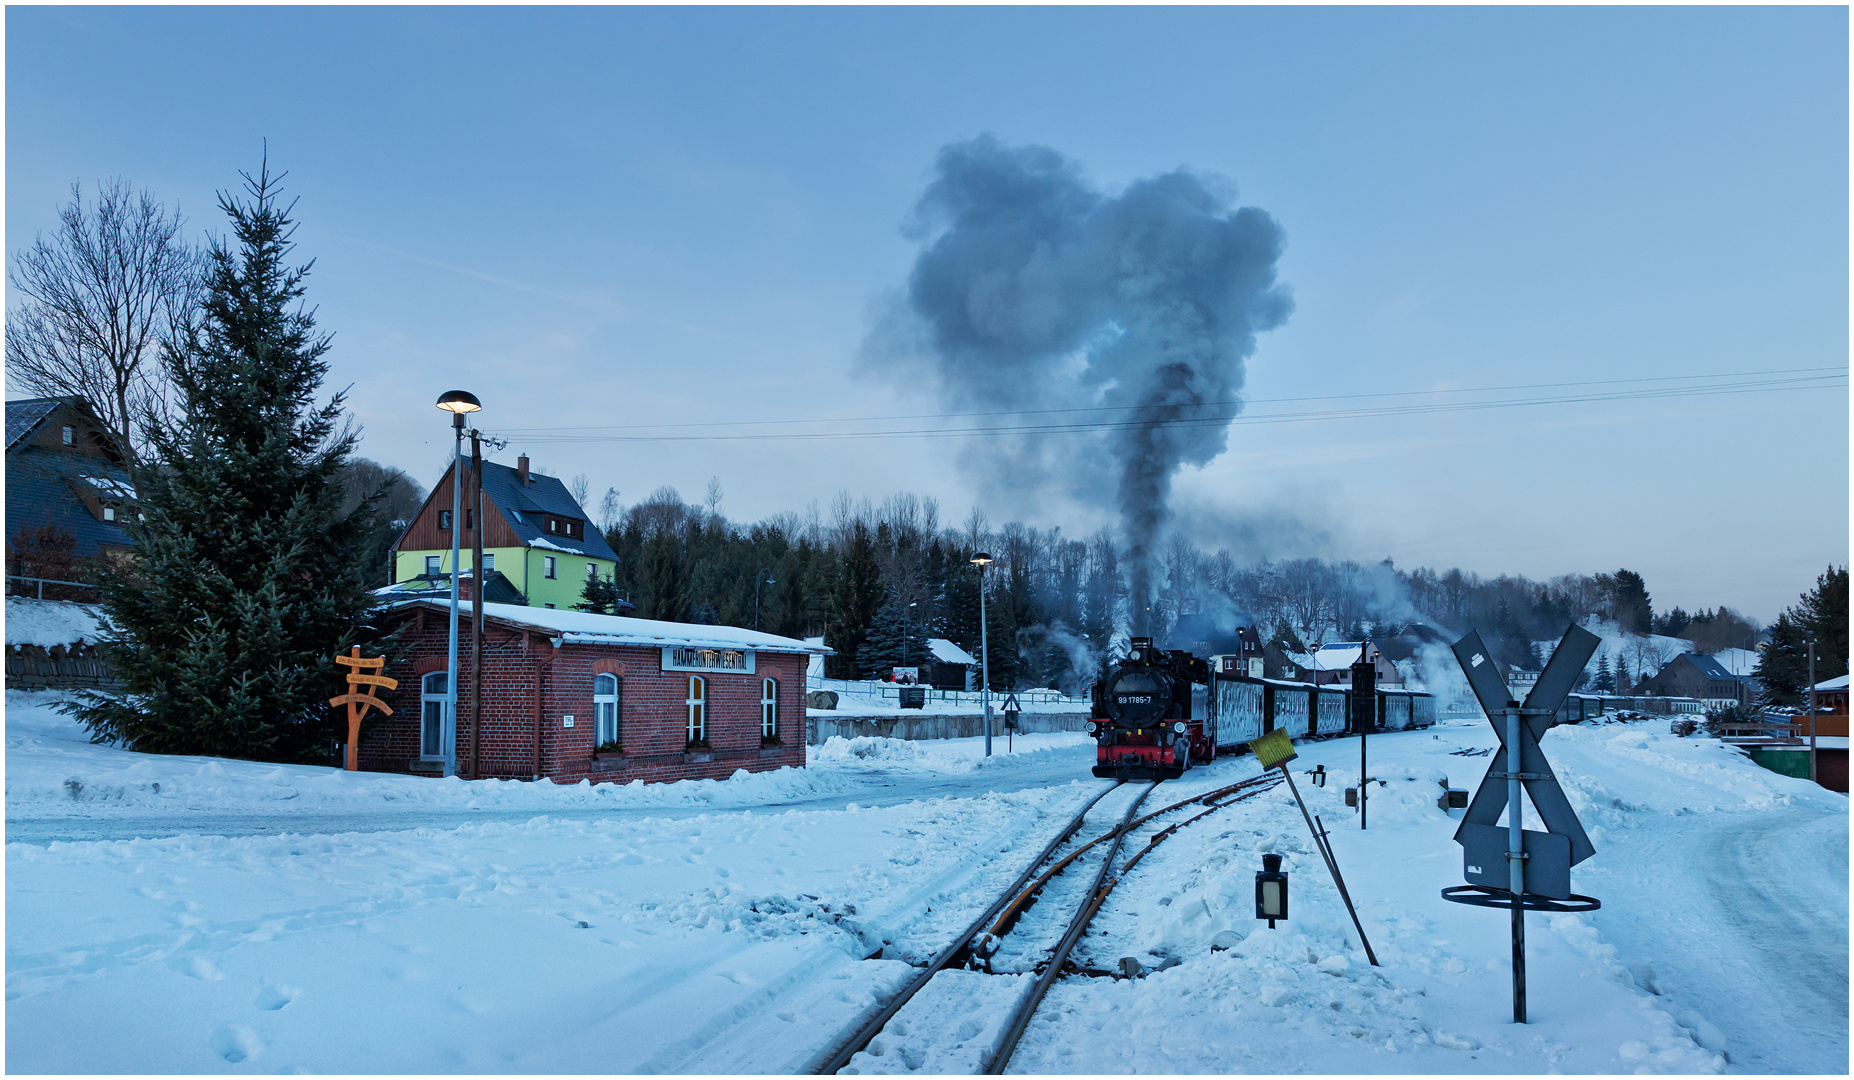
(46, 623)
(944, 755)
(52, 766)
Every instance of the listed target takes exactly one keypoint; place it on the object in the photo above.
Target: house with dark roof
(67, 470)
(535, 535)
(1696, 675)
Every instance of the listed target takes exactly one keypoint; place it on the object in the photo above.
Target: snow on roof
(1338, 656)
(46, 623)
(575, 627)
(1706, 664)
(1830, 684)
(948, 653)
(1740, 662)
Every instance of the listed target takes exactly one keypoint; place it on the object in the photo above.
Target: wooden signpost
(359, 697)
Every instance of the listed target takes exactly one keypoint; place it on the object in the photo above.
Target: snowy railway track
(950, 971)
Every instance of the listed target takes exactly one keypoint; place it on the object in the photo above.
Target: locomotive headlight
(1179, 727)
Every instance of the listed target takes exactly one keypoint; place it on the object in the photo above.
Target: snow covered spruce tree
(246, 578)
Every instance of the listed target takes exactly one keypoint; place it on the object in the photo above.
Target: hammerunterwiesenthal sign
(699, 658)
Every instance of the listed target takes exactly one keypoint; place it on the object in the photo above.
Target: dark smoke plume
(1034, 290)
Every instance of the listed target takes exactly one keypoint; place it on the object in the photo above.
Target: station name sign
(697, 658)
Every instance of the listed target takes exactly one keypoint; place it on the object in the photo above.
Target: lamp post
(457, 403)
(1812, 778)
(759, 579)
(907, 630)
(983, 560)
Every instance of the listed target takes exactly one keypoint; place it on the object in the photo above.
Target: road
(1737, 901)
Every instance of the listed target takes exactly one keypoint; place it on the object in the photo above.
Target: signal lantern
(1271, 890)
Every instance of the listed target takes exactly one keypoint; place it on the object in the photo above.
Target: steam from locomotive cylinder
(1034, 290)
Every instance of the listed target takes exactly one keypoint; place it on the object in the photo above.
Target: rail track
(978, 944)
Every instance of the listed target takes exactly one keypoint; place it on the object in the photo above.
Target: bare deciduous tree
(97, 299)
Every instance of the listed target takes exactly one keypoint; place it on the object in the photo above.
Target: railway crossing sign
(1537, 713)
(1510, 866)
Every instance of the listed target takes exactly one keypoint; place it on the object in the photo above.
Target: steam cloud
(1034, 290)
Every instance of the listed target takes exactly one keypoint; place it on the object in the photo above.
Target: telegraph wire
(1220, 413)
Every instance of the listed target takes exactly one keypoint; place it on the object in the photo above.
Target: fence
(61, 590)
(881, 693)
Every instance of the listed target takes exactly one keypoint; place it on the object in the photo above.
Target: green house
(535, 534)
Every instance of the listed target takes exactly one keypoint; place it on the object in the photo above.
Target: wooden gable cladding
(424, 535)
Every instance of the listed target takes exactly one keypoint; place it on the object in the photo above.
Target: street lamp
(758, 579)
(983, 560)
(457, 403)
(907, 630)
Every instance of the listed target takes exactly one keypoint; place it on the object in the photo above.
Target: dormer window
(109, 513)
(572, 528)
(70, 435)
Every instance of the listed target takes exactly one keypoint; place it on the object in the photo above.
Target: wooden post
(359, 700)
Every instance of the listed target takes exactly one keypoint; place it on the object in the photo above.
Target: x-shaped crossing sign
(1537, 712)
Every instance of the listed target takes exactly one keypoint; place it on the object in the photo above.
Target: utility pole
(478, 581)
(1812, 778)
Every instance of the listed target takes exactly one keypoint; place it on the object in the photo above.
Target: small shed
(952, 668)
(569, 696)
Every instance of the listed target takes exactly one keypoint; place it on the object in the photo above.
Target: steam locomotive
(1158, 712)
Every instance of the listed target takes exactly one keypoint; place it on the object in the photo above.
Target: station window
(697, 704)
(433, 695)
(607, 698)
(769, 709)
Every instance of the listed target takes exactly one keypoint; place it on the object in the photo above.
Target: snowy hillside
(725, 926)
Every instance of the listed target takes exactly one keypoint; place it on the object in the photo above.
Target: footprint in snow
(200, 967)
(236, 1043)
(275, 996)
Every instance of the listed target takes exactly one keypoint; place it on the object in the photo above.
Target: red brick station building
(571, 696)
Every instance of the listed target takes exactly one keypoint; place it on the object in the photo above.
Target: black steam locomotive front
(1142, 719)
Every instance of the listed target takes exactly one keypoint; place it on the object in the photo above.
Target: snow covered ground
(727, 926)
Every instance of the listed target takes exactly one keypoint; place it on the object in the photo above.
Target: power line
(1217, 413)
(1232, 402)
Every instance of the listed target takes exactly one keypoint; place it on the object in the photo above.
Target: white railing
(890, 693)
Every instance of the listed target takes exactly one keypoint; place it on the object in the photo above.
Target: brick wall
(523, 670)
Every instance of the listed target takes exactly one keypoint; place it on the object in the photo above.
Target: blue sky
(672, 216)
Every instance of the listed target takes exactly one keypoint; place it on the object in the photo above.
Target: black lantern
(1271, 891)
(1318, 773)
